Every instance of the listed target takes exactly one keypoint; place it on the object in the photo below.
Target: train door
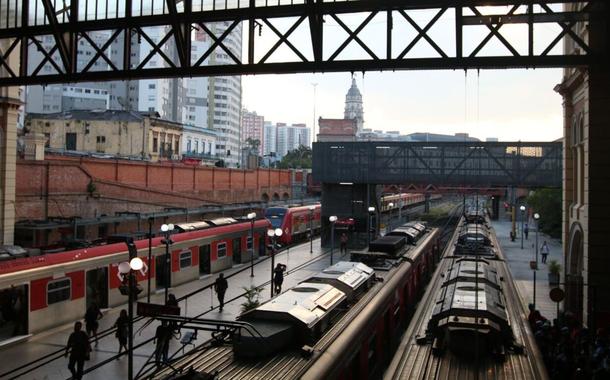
(13, 312)
(161, 275)
(97, 287)
(237, 251)
(204, 260)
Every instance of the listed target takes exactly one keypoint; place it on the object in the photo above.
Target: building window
(70, 141)
(58, 290)
(185, 259)
(101, 139)
(188, 145)
(221, 249)
(47, 140)
(249, 243)
(152, 86)
(177, 146)
(155, 144)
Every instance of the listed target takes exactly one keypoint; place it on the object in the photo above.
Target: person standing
(544, 250)
(122, 330)
(343, 239)
(78, 347)
(278, 278)
(526, 230)
(92, 314)
(161, 340)
(220, 286)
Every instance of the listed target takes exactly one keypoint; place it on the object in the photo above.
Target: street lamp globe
(278, 232)
(251, 215)
(170, 226)
(124, 267)
(164, 228)
(522, 208)
(536, 216)
(312, 207)
(270, 233)
(332, 219)
(371, 209)
(391, 204)
(136, 263)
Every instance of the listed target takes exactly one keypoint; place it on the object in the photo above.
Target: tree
(299, 158)
(547, 203)
(253, 145)
(252, 294)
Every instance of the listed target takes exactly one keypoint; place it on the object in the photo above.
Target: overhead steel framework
(395, 40)
(436, 164)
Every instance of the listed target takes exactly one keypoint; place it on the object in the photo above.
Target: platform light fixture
(537, 219)
(332, 219)
(252, 217)
(370, 231)
(522, 208)
(273, 234)
(167, 230)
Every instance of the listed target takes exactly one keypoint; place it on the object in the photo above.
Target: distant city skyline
(510, 105)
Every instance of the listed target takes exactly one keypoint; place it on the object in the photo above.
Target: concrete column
(9, 111)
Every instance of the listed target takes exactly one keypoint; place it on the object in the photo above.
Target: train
(342, 322)
(470, 323)
(296, 222)
(390, 202)
(40, 292)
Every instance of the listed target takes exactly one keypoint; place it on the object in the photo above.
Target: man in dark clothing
(343, 243)
(220, 286)
(92, 314)
(278, 277)
(526, 230)
(78, 348)
(162, 337)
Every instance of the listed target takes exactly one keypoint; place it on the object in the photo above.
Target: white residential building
(281, 138)
(198, 141)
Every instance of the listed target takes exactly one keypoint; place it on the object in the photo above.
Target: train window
(249, 243)
(185, 259)
(222, 249)
(58, 290)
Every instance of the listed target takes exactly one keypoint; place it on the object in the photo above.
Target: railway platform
(300, 264)
(519, 262)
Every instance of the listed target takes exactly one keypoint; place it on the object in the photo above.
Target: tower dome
(353, 105)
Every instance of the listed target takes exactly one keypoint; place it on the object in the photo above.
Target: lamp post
(167, 230)
(126, 269)
(150, 224)
(311, 210)
(536, 218)
(391, 206)
(522, 208)
(252, 218)
(332, 221)
(273, 234)
(370, 231)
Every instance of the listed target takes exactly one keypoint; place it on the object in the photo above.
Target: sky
(511, 105)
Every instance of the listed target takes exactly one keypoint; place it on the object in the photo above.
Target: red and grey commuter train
(341, 323)
(40, 292)
(296, 222)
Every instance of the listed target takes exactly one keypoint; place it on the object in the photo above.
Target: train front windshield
(275, 215)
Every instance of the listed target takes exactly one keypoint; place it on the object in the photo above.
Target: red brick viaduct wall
(58, 186)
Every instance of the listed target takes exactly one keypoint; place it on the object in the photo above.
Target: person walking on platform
(122, 330)
(78, 347)
(343, 243)
(220, 286)
(278, 278)
(92, 314)
(161, 341)
(526, 230)
(544, 250)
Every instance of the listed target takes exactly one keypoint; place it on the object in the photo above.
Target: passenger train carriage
(57, 288)
(295, 222)
(471, 322)
(343, 322)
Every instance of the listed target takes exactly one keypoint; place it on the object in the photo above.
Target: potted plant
(252, 295)
(554, 269)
